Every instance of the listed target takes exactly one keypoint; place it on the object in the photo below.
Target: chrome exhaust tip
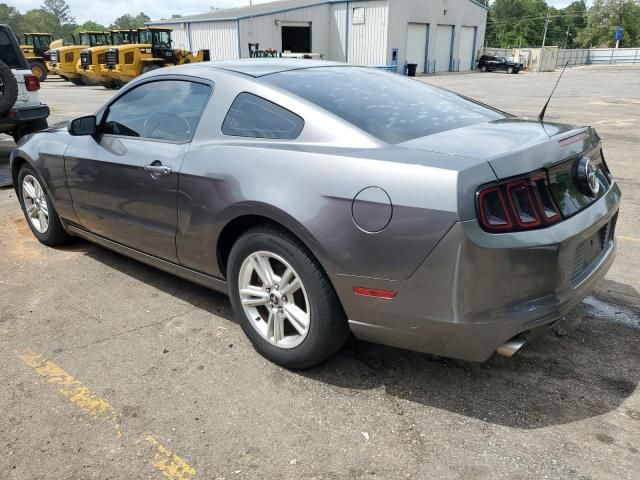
(509, 348)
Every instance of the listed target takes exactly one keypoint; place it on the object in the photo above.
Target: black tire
(483, 68)
(509, 70)
(31, 127)
(8, 89)
(77, 81)
(39, 69)
(150, 68)
(55, 233)
(328, 327)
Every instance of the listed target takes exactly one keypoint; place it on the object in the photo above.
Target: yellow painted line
(171, 465)
(166, 462)
(73, 389)
(630, 239)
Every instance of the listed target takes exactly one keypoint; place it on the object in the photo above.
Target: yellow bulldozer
(64, 59)
(153, 50)
(92, 65)
(36, 51)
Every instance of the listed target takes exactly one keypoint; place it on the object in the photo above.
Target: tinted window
(390, 107)
(9, 51)
(165, 110)
(252, 116)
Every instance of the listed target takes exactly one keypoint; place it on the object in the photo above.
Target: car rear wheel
(510, 70)
(38, 210)
(283, 299)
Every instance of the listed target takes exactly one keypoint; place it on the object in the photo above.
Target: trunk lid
(518, 146)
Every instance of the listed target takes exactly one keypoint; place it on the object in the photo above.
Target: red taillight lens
(520, 204)
(31, 83)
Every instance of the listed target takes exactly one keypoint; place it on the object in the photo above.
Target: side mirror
(83, 126)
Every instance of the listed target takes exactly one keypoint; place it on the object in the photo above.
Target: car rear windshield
(392, 108)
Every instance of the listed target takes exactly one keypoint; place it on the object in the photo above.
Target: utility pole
(544, 39)
(566, 39)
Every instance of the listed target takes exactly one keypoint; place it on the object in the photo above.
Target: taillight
(520, 204)
(31, 83)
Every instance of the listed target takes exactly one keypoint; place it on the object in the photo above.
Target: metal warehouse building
(438, 35)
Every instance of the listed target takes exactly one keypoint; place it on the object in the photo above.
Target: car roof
(258, 67)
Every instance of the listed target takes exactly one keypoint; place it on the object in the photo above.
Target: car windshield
(392, 108)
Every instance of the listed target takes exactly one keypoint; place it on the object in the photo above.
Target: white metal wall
(467, 45)
(368, 41)
(417, 45)
(179, 35)
(220, 38)
(337, 32)
(442, 48)
(266, 31)
(432, 12)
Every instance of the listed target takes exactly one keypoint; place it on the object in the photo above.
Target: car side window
(253, 116)
(167, 110)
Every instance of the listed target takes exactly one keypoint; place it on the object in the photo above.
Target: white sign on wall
(357, 16)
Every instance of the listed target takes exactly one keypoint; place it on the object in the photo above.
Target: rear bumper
(23, 115)
(476, 290)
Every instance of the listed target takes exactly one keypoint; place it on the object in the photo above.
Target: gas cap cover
(372, 209)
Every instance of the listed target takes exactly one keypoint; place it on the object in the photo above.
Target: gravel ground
(110, 369)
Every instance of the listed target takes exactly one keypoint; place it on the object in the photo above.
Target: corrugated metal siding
(265, 29)
(459, 13)
(220, 38)
(179, 36)
(368, 41)
(337, 32)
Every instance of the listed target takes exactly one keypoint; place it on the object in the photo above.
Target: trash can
(411, 69)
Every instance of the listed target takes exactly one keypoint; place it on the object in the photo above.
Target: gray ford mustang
(328, 199)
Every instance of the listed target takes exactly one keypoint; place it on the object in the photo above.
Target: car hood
(511, 145)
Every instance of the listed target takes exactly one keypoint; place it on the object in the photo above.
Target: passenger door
(124, 180)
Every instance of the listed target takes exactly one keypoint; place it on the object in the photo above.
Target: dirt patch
(19, 243)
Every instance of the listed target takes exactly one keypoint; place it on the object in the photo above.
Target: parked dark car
(489, 63)
(327, 199)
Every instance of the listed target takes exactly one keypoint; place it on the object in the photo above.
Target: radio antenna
(544, 109)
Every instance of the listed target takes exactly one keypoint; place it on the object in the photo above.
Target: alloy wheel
(35, 203)
(274, 299)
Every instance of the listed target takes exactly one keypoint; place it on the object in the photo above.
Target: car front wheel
(483, 68)
(283, 299)
(510, 70)
(38, 210)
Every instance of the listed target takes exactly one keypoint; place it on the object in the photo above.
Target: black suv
(489, 63)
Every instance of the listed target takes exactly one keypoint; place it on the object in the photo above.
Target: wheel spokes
(274, 299)
(30, 189)
(297, 317)
(263, 268)
(254, 296)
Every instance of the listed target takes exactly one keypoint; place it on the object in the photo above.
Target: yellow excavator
(92, 65)
(154, 50)
(64, 59)
(36, 51)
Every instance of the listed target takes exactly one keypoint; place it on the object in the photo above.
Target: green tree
(91, 26)
(602, 19)
(12, 17)
(127, 21)
(60, 9)
(39, 20)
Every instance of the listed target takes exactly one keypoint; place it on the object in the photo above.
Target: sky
(105, 12)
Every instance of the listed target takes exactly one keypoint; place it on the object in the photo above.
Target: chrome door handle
(157, 170)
